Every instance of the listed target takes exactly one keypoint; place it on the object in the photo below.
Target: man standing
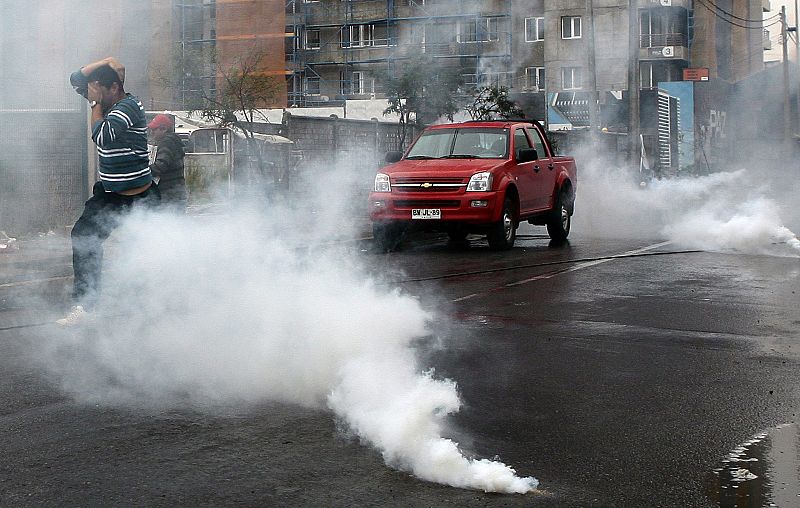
(119, 130)
(167, 166)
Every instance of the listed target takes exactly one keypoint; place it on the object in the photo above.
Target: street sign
(662, 51)
(695, 74)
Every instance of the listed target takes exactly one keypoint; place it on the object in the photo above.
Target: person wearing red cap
(167, 165)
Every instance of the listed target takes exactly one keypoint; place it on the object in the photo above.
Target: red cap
(161, 121)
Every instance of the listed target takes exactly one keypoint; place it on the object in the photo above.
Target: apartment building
(531, 46)
(337, 47)
(773, 41)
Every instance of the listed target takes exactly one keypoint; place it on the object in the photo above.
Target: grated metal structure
(196, 68)
(43, 128)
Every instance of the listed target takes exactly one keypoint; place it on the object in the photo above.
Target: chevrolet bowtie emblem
(426, 185)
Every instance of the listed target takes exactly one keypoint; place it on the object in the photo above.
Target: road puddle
(762, 472)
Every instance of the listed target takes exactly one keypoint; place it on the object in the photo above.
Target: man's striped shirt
(121, 139)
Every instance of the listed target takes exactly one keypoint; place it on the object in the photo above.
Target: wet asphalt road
(616, 376)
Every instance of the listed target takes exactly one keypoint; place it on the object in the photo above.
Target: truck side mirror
(527, 155)
(393, 156)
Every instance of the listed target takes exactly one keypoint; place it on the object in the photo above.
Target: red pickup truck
(475, 177)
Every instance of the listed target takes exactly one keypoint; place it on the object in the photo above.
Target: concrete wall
(355, 148)
(610, 37)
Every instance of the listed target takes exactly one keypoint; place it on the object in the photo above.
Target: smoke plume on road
(722, 211)
(234, 310)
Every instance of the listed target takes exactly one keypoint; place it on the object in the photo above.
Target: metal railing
(660, 40)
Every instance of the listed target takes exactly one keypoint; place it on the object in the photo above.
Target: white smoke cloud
(213, 311)
(733, 211)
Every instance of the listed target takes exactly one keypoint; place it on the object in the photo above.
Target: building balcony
(661, 40)
(663, 47)
(686, 4)
(766, 7)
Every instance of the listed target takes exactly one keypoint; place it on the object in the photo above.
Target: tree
(420, 92)
(234, 96)
(492, 103)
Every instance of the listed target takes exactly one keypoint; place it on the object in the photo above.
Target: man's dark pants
(101, 215)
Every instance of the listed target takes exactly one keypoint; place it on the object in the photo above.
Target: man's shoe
(76, 316)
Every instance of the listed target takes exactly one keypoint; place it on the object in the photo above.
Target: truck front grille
(431, 184)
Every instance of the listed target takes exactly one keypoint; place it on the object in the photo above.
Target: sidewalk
(38, 267)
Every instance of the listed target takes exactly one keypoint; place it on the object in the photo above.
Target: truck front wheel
(559, 224)
(503, 232)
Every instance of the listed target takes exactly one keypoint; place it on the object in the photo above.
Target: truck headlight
(480, 182)
(382, 183)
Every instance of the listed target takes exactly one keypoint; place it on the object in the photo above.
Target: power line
(734, 16)
(718, 15)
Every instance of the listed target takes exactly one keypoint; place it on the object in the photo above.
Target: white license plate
(426, 213)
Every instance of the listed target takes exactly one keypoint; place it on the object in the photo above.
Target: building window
(313, 85)
(497, 79)
(312, 39)
(534, 29)
(352, 36)
(356, 83)
(571, 78)
(470, 80)
(379, 35)
(646, 75)
(361, 36)
(570, 27)
(534, 79)
(478, 30)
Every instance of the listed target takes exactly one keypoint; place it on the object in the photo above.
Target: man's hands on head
(94, 92)
(117, 66)
(111, 62)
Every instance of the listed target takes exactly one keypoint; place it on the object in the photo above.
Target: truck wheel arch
(511, 192)
(565, 185)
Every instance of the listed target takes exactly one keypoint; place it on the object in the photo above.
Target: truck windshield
(471, 143)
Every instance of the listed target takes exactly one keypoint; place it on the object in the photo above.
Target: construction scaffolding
(334, 48)
(195, 67)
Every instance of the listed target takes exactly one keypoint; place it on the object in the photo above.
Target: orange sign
(696, 74)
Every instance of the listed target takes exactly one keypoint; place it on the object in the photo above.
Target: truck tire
(386, 235)
(503, 232)
(559, 224)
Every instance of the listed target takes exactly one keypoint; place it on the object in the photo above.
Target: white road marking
(33, 281)
(579, 266)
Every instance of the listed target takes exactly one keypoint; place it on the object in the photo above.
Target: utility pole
(787, 121)
(797, 58)
(634, 145)
(594, 124)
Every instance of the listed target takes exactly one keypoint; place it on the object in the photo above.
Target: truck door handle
(550, 166)
(536, 168)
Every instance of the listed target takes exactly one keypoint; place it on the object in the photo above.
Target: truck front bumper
(468, 208)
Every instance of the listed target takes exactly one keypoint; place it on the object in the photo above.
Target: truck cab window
(538, 144)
